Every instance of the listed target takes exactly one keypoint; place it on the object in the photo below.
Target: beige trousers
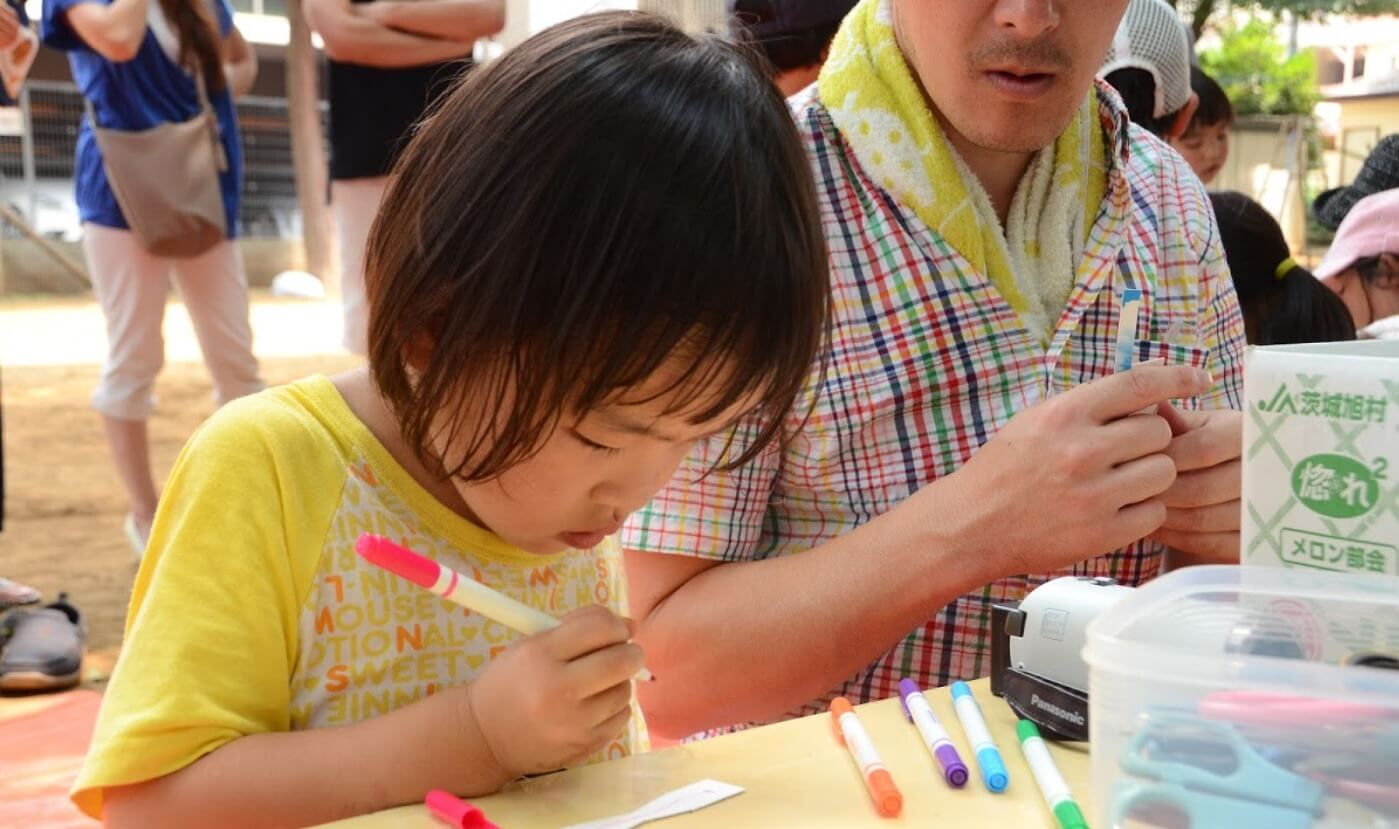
(132, 285)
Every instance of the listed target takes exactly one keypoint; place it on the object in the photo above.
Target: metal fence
(269, 207)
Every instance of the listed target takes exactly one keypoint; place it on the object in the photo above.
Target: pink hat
(1370, 228)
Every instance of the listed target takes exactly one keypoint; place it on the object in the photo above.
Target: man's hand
(1203, 507)
(1076, 476)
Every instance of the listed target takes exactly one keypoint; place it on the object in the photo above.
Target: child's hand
(557, 697)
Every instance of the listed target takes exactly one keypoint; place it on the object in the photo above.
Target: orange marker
(887, 799)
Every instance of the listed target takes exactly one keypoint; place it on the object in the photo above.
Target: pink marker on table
(456, 812)
(458, 589)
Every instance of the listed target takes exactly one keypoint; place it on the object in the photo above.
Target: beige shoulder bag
(166, 180)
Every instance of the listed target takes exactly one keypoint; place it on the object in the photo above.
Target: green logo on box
(1357, 408)
(1336, 486)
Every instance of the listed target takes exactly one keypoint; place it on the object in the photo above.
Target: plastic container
(1240, 697)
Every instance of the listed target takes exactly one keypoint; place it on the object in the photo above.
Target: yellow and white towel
(879, 107)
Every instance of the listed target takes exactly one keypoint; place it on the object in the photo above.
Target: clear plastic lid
(1257, 627)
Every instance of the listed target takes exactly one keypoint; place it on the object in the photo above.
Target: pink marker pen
(456, 812)
(456, 588)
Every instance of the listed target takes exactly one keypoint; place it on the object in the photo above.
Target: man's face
(1006, 75)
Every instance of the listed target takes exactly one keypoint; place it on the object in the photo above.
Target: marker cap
(887, 798)
(840, 706)
(953, 768)
(961, 689)
(456, 812)
(1069, 816)
(381, 552)
(906, 687)
(993, 770)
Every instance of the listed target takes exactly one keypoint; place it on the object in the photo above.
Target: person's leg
(129, 442)
(355, 203)
(214, 287)
(131, 286)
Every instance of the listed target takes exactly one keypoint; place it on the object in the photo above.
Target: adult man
(985, 208)
(795, 35)
(389, 62)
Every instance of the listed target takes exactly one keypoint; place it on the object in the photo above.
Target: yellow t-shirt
(253, 613)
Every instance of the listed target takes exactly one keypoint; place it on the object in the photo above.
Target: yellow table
(795, 773)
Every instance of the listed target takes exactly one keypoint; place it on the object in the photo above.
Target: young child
(1362, 265)
(1282, 302)
(1148, 64)
(1205, 143)
(603, 247)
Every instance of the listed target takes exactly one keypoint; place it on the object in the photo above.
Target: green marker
(1051, 782)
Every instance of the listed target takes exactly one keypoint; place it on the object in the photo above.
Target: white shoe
(133, 536)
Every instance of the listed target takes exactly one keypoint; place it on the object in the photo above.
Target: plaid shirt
(928, 361)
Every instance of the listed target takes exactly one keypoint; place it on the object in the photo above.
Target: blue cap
(961, 689)
(993, 770)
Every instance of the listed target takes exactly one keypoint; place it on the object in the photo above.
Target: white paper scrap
(691, 798)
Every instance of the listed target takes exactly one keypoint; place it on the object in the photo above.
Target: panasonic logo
(1073, 717)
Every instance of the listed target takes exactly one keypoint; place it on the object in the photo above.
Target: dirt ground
(64, 506)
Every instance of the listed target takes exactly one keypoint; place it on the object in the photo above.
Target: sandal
(43, 648)
(14, 594)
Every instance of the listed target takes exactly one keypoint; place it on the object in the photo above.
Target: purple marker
(916, 708)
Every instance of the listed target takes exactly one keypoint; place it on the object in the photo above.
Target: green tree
(1255, 71)
(1202, 12)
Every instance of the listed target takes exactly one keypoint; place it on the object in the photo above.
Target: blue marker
(1125, 353)
(993, 768)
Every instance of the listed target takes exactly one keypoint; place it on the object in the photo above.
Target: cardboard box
(1321, 457)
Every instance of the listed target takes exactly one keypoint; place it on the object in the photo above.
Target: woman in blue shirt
(135, 60)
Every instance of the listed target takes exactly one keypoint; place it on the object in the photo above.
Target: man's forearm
(751, 640)
(465, 21)
(360, 40)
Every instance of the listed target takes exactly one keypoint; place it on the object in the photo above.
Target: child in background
(1379, 172)
(1148, 64)
(1205, 143)
(1282, 302)
(602, 248)
(794, 35)
(1362, 265)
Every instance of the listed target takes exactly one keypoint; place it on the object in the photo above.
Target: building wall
(1361, 123)
(1263, 164)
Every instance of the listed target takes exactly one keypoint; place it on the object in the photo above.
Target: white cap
(1152, 37)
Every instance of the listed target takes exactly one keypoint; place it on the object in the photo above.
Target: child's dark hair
(1371, 269)
(1214, 105)
(798, 49)
(1137, 88)
(1282, 302)
(610, 196)
(786, 51)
